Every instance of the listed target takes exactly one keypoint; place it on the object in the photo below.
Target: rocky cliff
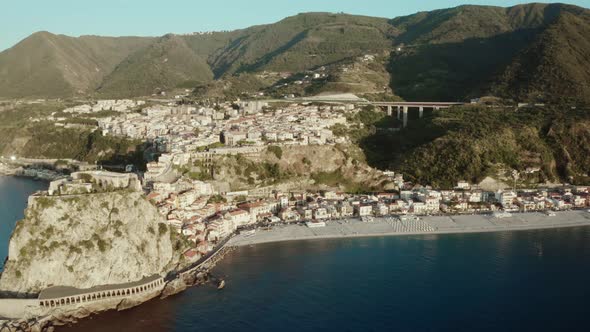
(87, 240)
(315, 167)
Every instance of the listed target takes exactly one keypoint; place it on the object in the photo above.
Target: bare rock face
(87, 240)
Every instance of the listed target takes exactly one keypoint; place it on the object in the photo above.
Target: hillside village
(205, 215)
(164, 154)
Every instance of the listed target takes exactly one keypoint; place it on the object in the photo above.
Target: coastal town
(336, 166)
(206, 214)
(206, 218)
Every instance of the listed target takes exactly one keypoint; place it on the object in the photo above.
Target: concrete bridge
(403, 107)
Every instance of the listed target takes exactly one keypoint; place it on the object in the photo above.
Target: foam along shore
(408, 225)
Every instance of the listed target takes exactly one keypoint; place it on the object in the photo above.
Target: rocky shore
(390, 226)
(35, 173)
(66, 317)
(179, 282)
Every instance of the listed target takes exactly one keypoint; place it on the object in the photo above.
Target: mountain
(48, 65)
(535, 52)
(555, 67)
(469, 51)
(167, 63)
(304, 41)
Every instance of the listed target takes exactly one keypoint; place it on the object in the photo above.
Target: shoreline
(36, 177)
(440, 225)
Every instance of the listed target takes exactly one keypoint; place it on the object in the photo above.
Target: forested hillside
(472, 142)
(533, 52)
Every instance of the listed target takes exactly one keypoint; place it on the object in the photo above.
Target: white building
(364, 210)
(238, 217)
(506, 198)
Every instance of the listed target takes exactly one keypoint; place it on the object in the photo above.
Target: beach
(392, 226)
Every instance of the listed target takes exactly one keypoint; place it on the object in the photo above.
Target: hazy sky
(20, 18)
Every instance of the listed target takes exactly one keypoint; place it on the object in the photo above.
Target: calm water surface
(514, 281)
(527, 281)
(13, 200)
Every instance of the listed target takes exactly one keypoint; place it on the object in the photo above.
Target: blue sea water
(511, 281)
(14, 193)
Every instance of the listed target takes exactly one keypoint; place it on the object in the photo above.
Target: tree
(276, 150)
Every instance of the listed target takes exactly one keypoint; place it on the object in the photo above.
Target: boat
(221, 284)
(501, 215)
(315, 224)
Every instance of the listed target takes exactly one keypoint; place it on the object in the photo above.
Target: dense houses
(122, 105)
(184, 133)
(188, 133)
(205, 217)
(190, 207)
(297, 125)
(187, 128)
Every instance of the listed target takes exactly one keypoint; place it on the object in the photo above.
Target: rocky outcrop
(183, 282)
(297, 167)
(87, 240)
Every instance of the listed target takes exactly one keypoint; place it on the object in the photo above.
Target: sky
(19, 19)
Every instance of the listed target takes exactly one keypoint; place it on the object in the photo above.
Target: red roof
(237, 212)
(191, 253)
(153, 195)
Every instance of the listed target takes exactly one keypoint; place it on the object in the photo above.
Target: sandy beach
(392, 226)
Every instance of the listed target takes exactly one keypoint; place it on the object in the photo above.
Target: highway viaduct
(403, 107)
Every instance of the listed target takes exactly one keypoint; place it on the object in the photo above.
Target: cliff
(87, 240)
(341, 167)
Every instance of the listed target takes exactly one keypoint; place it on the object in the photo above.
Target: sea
(510, 281)
(14, 192)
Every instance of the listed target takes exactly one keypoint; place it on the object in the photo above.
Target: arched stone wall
(97, 296)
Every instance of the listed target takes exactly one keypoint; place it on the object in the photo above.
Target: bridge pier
(405, 110)
(402, 108)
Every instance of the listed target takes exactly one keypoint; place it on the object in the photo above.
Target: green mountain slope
(304, 41)
(471, 143)
(472, 22)
(469, 51)
(167, 63)
(48, 65)
(555, 67)
(526, 52)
